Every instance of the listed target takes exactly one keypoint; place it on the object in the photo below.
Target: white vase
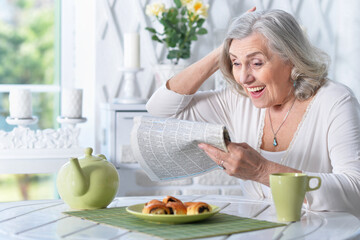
(164, 72)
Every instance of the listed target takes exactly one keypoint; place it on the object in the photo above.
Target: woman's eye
(257, 63)
(235, 64)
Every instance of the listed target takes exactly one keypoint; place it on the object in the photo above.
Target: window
(30, 58)
(16, 187)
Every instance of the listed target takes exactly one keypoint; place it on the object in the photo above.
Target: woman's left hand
(240, 161)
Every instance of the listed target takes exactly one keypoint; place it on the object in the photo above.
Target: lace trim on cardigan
(261, 129)
(260, 135)
(261, 132)
(282, 161)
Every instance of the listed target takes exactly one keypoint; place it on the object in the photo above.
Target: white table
(44, 220)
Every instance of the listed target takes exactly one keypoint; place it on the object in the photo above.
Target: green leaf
(185, 55)
(151, 29)
(171, 18)
(155, 38)
(192, 31)
(165, 23)
(183, 11)
(183, 28)
(172, 40)
(171, 43)
(177, 3)
(202, 31)
(200, 22)
(172, 13)
(193, 38)
(183, 52)
(172, 54)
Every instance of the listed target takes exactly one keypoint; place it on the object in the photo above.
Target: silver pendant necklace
(275, 142)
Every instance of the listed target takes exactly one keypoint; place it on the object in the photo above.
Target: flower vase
(164, 72)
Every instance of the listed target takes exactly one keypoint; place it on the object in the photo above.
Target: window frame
(64, 55)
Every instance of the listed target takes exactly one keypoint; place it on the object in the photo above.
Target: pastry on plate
(156, 209)
(197, 208)
(171, 199)
(177, 208)
(154, 201)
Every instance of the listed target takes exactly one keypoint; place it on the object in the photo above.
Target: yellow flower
(155, 9)
(186, 2)
(198, 8)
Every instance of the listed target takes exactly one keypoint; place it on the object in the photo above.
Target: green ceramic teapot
(88, 183)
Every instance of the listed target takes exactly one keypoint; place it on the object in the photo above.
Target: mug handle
(308, 183)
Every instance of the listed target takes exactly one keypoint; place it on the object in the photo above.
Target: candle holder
(21, 122)
(70, 121)
(71, 102)
(130, 92)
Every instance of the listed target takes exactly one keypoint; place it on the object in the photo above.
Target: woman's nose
(245, 76)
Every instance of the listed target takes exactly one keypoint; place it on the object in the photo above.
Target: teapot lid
(88, 155)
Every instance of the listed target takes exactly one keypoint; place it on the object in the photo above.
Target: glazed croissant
(172, 205)
(177, 208)
(168, 199)
(156, 209)
(154, 201)
(197, 208)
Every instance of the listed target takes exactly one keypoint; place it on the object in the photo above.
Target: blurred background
(29, 59)
(49, 44)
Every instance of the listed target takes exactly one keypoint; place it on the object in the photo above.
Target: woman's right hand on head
(191, 78)
(251, 9)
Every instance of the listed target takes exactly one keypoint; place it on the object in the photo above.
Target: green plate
(136, 210)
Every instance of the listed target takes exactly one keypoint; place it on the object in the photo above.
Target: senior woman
(281, 111)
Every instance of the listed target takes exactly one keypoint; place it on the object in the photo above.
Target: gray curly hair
(286, 38)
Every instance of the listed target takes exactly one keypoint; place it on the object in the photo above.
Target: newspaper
(167, 149)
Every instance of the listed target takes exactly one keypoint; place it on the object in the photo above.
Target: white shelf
(19, 161)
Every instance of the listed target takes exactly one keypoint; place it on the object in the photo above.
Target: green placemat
(219, 224)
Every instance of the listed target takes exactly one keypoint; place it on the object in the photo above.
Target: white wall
(348, 45)
(78, 62)
(119, 16)
(100, 25)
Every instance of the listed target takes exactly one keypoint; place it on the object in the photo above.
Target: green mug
(288, 192)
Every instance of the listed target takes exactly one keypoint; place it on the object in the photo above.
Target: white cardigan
(326, 143)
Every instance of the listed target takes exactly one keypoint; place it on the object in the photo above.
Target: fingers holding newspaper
(241, 161)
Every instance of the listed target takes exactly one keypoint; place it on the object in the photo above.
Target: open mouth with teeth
(256, 91)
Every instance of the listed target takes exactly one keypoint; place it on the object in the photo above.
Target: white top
(326, 143)
(274, 157)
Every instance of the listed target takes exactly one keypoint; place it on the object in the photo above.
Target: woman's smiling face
(262, 73)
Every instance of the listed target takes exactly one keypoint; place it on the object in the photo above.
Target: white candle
(131, 50)
(20, 103)
(71, 103)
